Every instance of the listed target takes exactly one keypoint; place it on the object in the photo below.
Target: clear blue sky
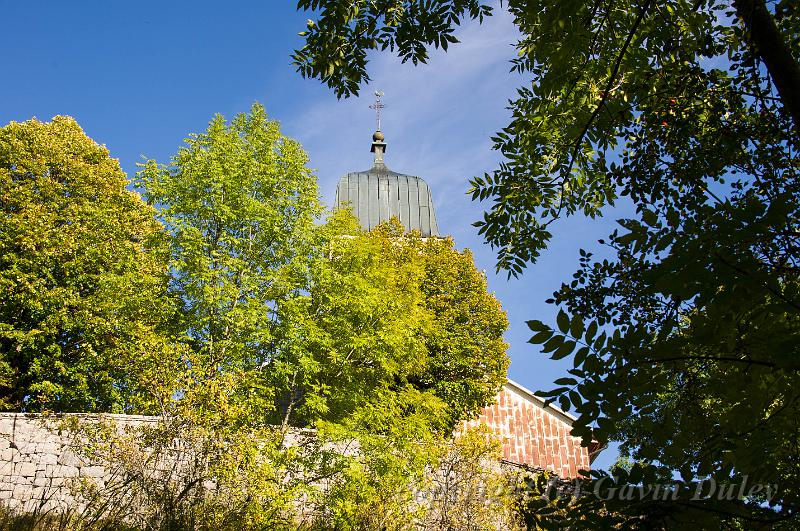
(140, 76)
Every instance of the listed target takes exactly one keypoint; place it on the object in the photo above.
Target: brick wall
(532, 434)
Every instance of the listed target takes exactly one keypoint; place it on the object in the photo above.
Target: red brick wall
(532, 435)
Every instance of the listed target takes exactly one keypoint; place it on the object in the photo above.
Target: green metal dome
(379, 194)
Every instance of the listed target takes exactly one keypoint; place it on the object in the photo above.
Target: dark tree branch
(774, 51)
(603, 98)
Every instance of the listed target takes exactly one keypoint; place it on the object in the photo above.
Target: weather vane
(378, 106)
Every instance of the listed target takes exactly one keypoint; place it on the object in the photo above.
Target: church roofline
(379, 194)
(527, 393)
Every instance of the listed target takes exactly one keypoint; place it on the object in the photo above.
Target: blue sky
(140, 76)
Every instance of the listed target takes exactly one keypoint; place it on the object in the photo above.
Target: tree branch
(774, 51)
(603, 97)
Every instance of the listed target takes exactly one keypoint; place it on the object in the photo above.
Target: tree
(239, 206)
(289, 324)
(324, 316)
(388, 310)
(467, 359)
(684, 332)
(84, 322)
(292, 324)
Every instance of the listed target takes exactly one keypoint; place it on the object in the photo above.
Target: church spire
(379, 148)
(378, 145)
(380, 194)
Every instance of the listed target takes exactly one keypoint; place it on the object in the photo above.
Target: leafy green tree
(85, 313)
(387, 311)
(239, 206)
(467, 359)
(380, 340)
(321, 316)
(684, 332)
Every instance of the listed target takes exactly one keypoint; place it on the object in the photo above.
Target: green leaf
(563, 321)
(537, 326)
(591, 330)
(552, 344)
(649, 217)
(564, 350)
(563, 402)
(575, 398)
(554, 392)
(566, 381)
(541, 337)
(576, 326)
(580, 356)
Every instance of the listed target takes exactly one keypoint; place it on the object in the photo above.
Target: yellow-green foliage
(180, 474)
(682, 328)
(380, 341)
(292, 323)
(466, 352)
(470, 489)
(82, 284)
(322, 368)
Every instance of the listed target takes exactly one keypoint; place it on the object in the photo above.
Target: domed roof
(379, 194)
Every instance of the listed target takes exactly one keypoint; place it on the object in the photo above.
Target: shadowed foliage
(683, 329)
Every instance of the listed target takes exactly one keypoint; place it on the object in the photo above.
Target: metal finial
(377, 106)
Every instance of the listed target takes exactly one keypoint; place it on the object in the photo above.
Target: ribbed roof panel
(375, 196)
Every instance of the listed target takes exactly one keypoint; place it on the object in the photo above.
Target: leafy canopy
(85, 311)
(315, 321)
(683, 329)
(381, 340)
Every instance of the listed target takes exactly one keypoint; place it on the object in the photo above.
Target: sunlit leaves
(291, 322)
(690, 316)
(85, 317)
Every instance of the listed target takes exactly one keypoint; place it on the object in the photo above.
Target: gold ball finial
(377, 136)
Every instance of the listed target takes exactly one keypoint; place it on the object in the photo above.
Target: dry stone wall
(44, 468)
(41, 467)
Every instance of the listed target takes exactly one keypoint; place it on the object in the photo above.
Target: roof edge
(527, 393)
(382, 171)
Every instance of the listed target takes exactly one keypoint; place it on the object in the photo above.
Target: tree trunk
(774, 51)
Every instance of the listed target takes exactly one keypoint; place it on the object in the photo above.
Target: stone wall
(40, 467)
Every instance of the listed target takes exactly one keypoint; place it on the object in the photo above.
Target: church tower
(378, 194)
